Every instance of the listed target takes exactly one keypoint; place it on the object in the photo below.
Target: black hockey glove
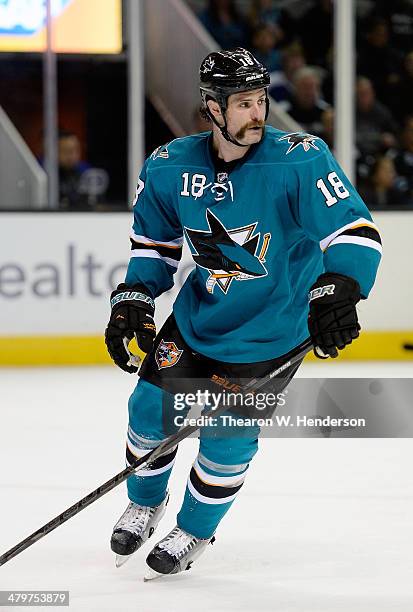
(132, 315)
(332, 318)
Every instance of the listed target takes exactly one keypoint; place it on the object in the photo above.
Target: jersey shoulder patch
(178, 151)
(296, 140)
(161, 151)
(290, 147)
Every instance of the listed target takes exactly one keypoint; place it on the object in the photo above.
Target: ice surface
(320, 525)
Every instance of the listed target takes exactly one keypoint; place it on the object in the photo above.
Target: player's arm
(156, 248)
(333, 214)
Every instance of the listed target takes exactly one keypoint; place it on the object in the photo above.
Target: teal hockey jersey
(260, 235)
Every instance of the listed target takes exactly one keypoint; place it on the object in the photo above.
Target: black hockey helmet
(223, 73)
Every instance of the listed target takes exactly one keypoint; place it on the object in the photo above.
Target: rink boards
(57, 270)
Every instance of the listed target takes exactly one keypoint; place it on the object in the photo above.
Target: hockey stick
(146, 460)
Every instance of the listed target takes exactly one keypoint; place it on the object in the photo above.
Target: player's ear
(215, 109)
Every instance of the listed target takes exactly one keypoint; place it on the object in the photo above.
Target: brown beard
(242, 131)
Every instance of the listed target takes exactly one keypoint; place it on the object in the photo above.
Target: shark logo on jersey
(228, 254)
(167, 354)
(296, 139)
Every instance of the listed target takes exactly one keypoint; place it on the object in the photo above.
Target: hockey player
(284, 248)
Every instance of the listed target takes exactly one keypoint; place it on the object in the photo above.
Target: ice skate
(134, 527)
(175, 553)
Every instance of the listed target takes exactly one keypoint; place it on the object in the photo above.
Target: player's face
(246, 116)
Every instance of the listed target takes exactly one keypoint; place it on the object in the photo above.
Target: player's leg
(147, 489)
(216, 477)
(145, 432)
(214, 482)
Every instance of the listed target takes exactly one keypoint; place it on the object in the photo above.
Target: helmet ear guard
(220, 100)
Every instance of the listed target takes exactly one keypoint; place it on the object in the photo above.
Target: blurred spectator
(71, 168)
(307, 106)
(375, 125)
(385, 189)
(80, 186)
(404, 159)
(69, 152)
(316, 28)
(263, 41)
(378, 61)
(225, 24)
(264, 12)
(281, 89)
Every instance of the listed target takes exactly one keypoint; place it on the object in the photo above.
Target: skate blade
(121, 560)
(152, 575)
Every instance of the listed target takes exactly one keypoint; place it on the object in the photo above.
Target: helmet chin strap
(228, 137)
(224, 130)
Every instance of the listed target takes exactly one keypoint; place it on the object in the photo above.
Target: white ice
(320, 525)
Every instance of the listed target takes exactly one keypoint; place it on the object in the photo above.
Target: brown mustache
(251, 124)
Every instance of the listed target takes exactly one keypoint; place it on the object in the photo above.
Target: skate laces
(135, 518)
(178, 543)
